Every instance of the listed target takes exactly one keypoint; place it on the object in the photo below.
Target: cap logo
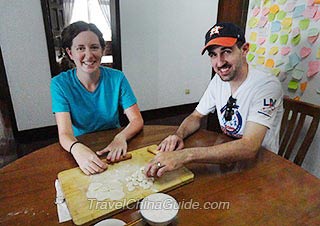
(215, 30)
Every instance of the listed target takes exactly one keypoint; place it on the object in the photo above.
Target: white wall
(161, 43)
(25, 55)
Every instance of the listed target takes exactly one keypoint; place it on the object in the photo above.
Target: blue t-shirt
(92, 111)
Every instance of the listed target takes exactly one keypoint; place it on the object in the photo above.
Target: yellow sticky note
(261, 50)
(269, 63)
(253, 22)
(286, 23)
(261, 60)
(274, 9)
(318, 53)
(274, 50)
(253, 36)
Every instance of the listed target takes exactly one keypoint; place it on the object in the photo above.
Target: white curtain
(105, 8)
(67, 10)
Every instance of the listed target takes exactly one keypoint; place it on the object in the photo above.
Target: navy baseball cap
(223, 34)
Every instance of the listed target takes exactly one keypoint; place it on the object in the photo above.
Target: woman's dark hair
(72, 30)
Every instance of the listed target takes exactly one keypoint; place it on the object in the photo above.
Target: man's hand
(116, 148)
(87, 160)
(165, 161)
(171, 143)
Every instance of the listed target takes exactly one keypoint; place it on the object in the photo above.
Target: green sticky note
(281, 2)
(293, 85)
(275, 71)
(273, 38)
(288, 67)
(251, 57)
(295, 40)
(313, 32)
(252, 47)
(271, 17)
(281, 14)
(253, 22)
(284, 39)
(304, 24)
(297, 74)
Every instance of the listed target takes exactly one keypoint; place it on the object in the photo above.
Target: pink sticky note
(310, 2)
(263, 21)
(256, 11)
(265, 11)
(312, 39)
(304, 52)
(295, 32)
(290, 6)
(317, 16)
(261, 40)
(310, 11)
(285, 50)
(314, 67)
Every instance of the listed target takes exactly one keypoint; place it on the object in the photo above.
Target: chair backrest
(293, 120)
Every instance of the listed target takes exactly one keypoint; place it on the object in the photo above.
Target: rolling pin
(125, 157)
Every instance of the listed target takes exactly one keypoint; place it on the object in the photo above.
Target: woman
(86, 99)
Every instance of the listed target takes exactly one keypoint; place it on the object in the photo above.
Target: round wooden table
(267, 191)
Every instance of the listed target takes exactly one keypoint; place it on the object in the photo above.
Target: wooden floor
(9, 150)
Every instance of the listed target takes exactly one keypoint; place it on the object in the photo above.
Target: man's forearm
(189, 125)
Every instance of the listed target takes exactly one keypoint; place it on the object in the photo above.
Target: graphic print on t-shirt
(233, 126)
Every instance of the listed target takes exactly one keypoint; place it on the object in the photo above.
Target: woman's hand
(116, 148)
(87, 160)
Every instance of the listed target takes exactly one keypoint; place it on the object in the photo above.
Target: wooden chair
(293, 120)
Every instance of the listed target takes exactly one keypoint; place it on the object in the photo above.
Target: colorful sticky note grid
(284, 39)
(253, 36)
(260, 60)
(250, 57)
(285, 50)
(297, 74)
(269, 63)
(261, 50)
(274, 9)
(305, 52)
(298, 10)
(293, 85)
(274, 50)
(295, 40)
(304, 24)
(281, 14)
(252, 47)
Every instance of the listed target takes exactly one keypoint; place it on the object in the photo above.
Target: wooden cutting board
(75, 184)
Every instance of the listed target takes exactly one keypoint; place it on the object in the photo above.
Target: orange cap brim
(221, 41)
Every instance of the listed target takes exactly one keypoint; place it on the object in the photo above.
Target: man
(248, 101)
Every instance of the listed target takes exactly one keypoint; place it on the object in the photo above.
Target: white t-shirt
(259, 100)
